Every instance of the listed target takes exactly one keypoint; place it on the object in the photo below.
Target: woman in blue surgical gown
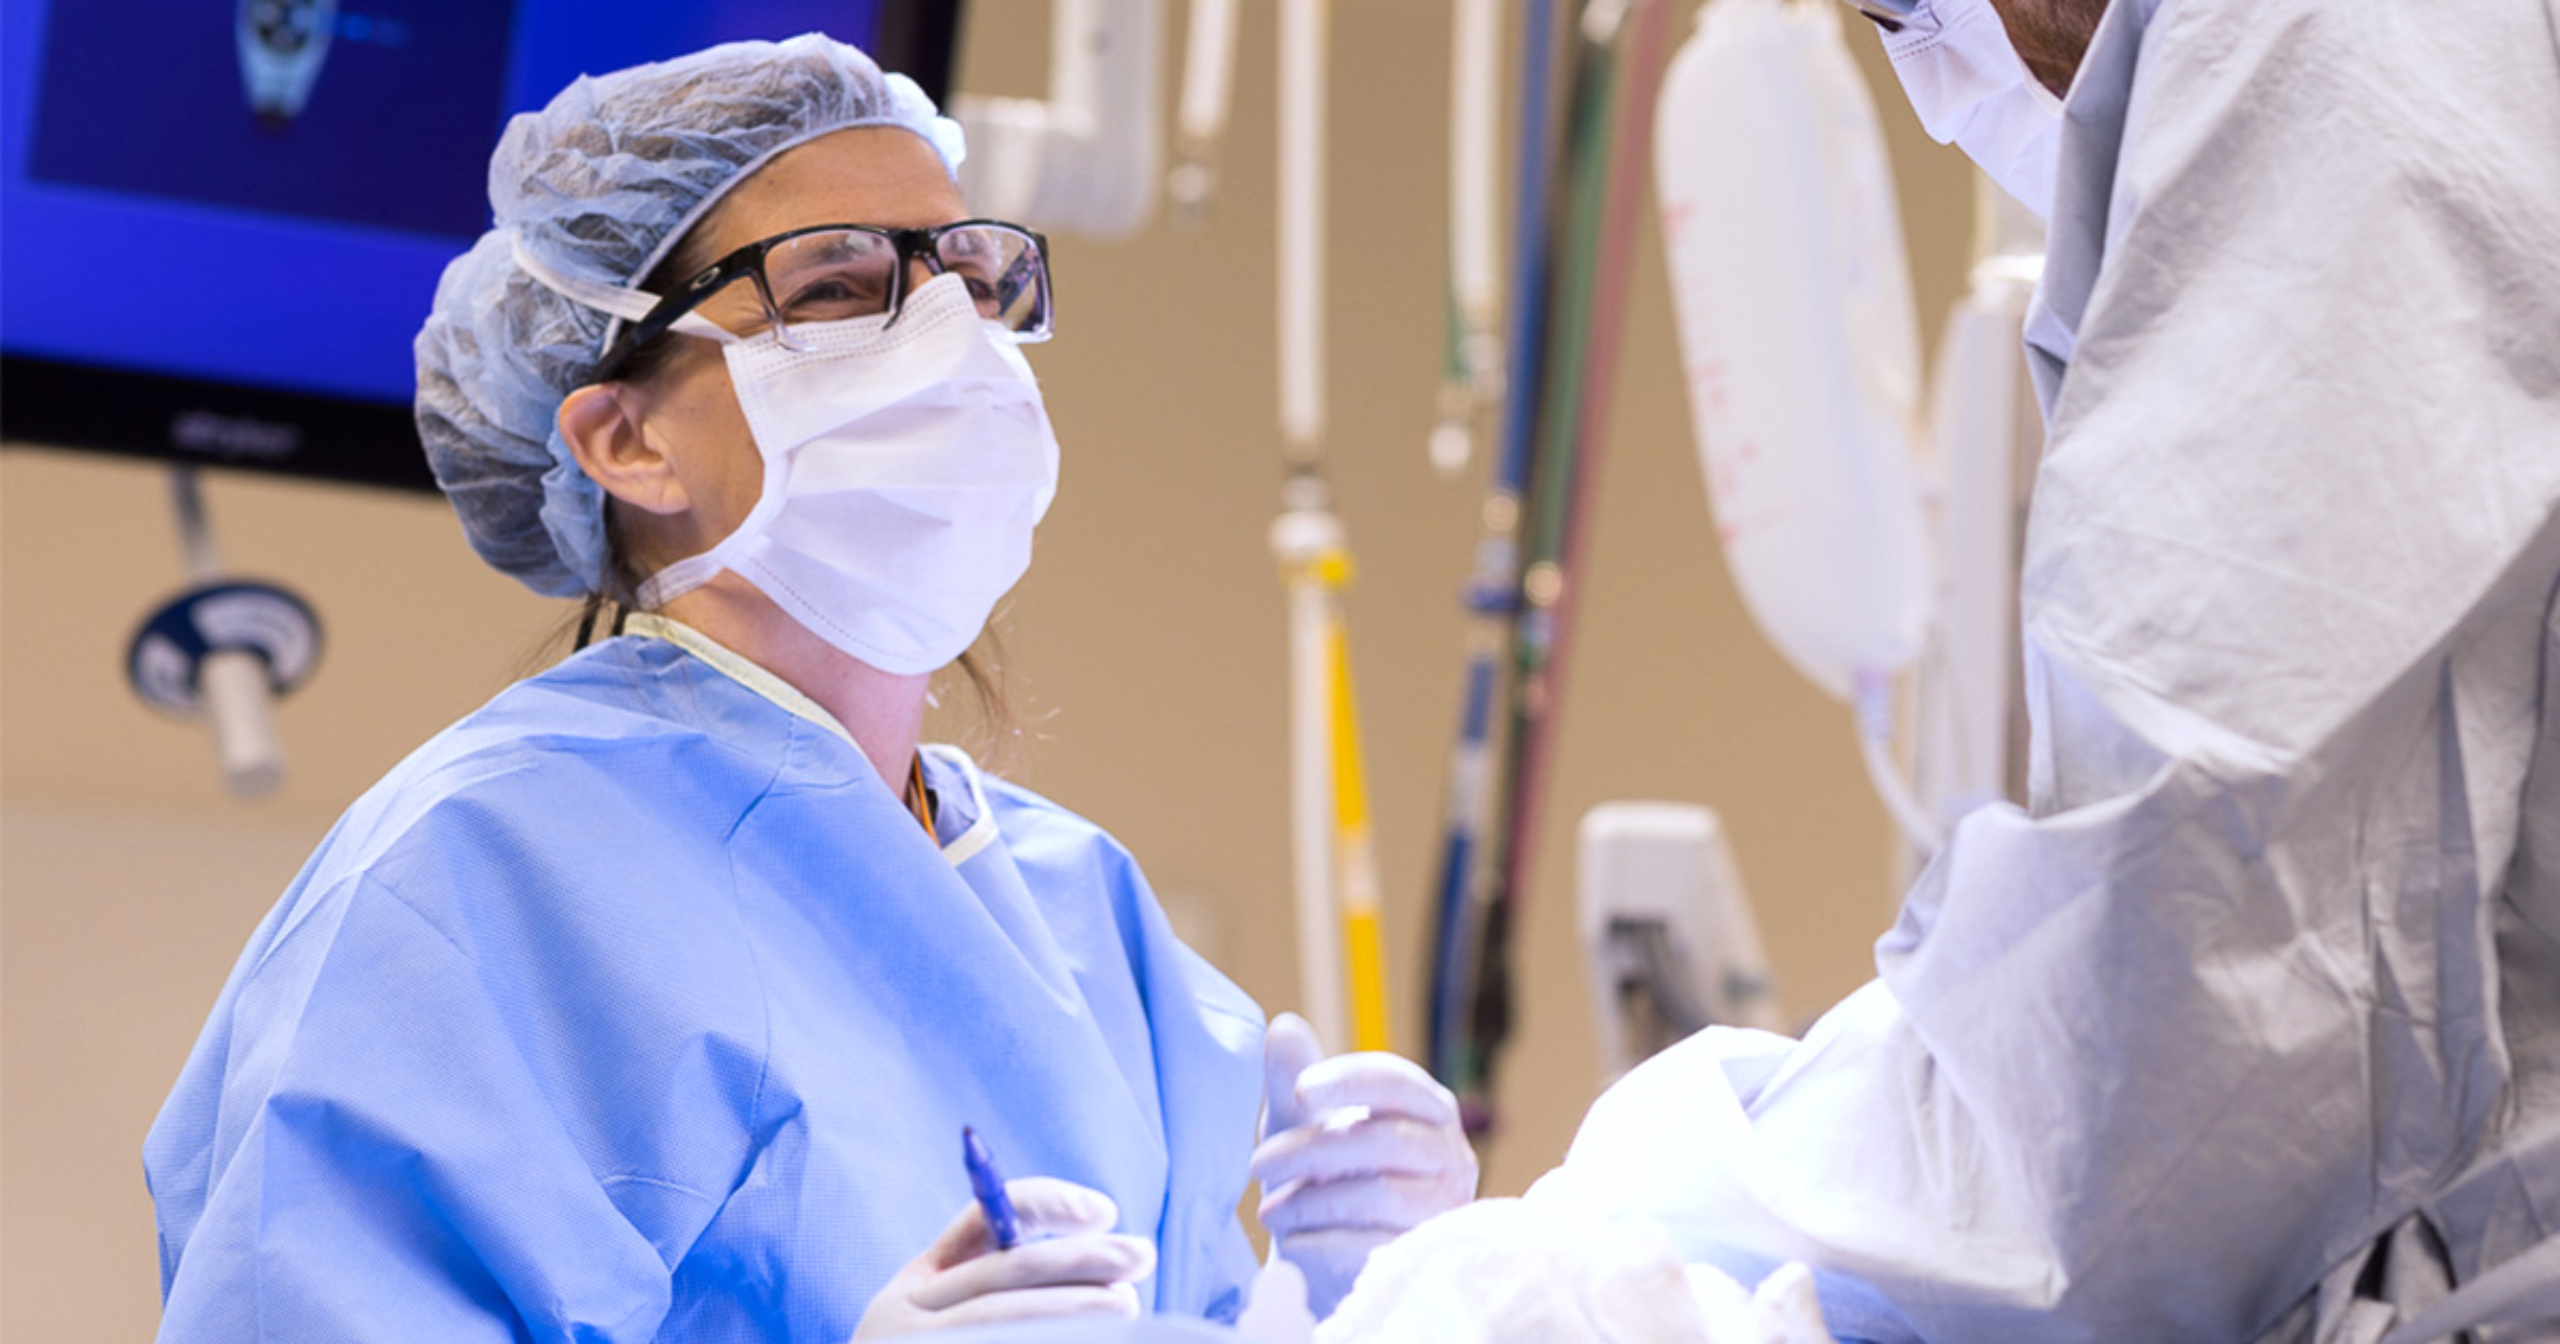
(649, 1001)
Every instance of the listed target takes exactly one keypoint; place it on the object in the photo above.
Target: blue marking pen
(988, 1186)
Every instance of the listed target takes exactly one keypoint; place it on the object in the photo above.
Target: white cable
(1476, 382)
(1874, 706)
(1208, 78)
(1208, 71)
(1302, 77)
(1300, 538)
(1474, 91)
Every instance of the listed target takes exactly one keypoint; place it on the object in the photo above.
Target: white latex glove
(1356, 1150)
(1081, 1268)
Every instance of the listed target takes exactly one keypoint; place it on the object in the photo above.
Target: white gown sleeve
(2150, 1058)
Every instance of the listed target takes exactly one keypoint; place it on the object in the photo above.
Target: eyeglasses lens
(834, 275)
(831, 276)
(1006, 275)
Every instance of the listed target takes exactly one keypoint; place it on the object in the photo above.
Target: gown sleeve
(441, 1132)
(2151, 1058)
(1214, 1082)
(1208, 1048)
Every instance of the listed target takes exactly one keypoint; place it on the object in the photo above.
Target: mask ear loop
(615, 301)
(622, 305)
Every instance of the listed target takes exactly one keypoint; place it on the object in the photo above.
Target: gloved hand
(1356, 1149)
(1082, 1269)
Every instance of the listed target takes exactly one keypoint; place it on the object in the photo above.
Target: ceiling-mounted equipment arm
(1200, 120)
(1089, 157)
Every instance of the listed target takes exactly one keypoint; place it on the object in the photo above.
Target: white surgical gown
(2256, 1009)
(636, 1007)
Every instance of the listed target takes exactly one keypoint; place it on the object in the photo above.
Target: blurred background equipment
(1208, 85)
(223, 650)
(1869, 520)
(1570, 278)
(1086, 158)
(1471, 351)
(1667, 931)
(283, 44)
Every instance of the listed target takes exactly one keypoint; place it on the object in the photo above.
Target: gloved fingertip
(1788, 1307)
(1049, 1205)
(1288, 1048)
(1141, 1254)
(1298, 1035)
(1382, 1081)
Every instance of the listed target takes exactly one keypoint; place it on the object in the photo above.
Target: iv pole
(1334, 858)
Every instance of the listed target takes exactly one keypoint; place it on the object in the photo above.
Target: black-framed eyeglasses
(1889, 15)
(837, 272)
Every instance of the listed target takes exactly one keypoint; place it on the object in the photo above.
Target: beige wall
(1148, 643)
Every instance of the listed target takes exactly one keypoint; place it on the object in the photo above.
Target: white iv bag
(1801, 352)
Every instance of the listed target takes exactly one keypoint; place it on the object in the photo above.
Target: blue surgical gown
(635, 1006)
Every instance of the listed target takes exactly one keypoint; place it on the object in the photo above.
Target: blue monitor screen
(259, 195)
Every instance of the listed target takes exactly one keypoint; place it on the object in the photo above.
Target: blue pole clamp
(169, 650)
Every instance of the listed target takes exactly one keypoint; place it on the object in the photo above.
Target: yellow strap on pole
(1354, 851)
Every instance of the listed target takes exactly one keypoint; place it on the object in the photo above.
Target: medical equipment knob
(234, 684)
(222, 652)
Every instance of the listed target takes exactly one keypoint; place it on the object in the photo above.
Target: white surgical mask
(905, 465)
(1969, 86)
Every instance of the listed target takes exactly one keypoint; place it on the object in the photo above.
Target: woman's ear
(604, 427)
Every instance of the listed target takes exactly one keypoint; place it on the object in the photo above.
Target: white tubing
(1208, 75)
(1208, 72)
(1474, 91)
(1302, 30)
(1299, 539)
(1874, 702)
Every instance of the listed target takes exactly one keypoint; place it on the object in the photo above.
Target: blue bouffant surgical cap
(593, 192)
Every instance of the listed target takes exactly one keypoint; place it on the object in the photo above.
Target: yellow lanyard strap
(919, 801)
